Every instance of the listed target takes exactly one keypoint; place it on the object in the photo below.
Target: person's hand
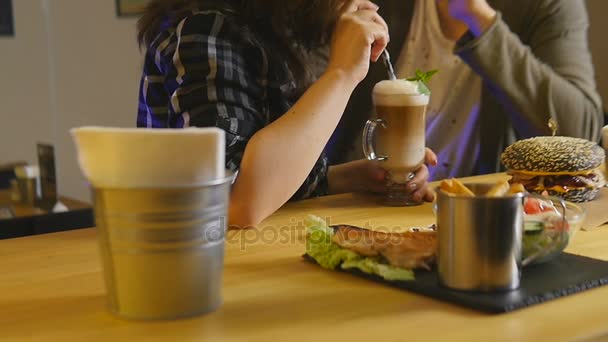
(419, 184)
(369, 176)
(478, 15)
(357, 176)
(360, 36)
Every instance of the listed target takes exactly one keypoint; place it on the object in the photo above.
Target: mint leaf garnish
(422, 78)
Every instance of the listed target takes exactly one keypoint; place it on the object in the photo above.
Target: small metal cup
(162, 249)
(480, 240)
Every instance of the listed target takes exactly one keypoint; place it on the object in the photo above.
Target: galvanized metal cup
(162, 249)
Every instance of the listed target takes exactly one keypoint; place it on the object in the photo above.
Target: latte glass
(400, 143)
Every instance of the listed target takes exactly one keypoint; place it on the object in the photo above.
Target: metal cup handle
(556, 242)
(369, 132)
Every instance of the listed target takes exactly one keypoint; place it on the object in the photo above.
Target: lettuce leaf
(330, 255)
(320, 247)
(372, 266)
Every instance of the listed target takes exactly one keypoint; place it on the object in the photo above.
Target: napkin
(141, 157)
(597, 214)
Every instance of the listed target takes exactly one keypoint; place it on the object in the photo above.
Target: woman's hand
(478, 15)
(357, 176)
(419, 184)
(360, 36)
(369, 176)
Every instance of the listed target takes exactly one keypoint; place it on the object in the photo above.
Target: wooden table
(51, 289)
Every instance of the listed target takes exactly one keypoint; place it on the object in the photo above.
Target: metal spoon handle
(386, 59)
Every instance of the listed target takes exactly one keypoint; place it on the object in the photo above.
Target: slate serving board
(566, 275)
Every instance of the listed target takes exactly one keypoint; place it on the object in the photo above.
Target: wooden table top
(51, 289)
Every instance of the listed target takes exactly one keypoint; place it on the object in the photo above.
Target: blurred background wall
(70, 63)
(74, 62)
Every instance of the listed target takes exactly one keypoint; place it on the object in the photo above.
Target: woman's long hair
(286, 27)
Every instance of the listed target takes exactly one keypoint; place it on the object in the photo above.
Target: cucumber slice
(534, 227)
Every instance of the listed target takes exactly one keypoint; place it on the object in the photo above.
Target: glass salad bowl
(546, 232)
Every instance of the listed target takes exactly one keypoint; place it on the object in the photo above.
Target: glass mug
(401, 143)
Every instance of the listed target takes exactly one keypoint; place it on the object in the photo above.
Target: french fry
(499, 189)
(516, 188)
(454, 187)
(462, 189)
(447, 186)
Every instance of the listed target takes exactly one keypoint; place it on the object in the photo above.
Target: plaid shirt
(211, 70)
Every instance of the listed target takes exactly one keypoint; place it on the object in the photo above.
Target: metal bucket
(162, 249)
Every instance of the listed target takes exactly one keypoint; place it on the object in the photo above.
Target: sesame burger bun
(563, 166)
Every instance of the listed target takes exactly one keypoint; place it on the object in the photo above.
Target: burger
(562, 166)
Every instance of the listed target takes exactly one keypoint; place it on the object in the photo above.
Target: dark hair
(286, 27)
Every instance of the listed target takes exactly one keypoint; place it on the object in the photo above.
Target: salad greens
(329, 255)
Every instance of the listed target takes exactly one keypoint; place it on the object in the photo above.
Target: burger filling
(558, 183)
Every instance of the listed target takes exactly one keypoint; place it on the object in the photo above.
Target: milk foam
(394, 93)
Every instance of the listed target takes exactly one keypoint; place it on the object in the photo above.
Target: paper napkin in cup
(142, 157)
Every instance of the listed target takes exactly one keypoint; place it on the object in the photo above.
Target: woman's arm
(551, 78)
(278, 158)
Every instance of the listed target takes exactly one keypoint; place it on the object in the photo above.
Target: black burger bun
(553, 155)
(562, 166)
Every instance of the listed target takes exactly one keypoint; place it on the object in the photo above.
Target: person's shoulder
(539, 14)
(224, 24)
(567, 10)
(553, 7)
(541, 7)
(206, 21)
(563, 14)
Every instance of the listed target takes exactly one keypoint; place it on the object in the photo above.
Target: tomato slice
(534, 206)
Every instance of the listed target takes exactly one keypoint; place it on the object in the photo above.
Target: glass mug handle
(369, 132)
(556, 242)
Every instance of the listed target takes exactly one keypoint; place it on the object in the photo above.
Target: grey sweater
(535, 65)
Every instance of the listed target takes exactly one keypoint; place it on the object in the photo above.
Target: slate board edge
(445, 296)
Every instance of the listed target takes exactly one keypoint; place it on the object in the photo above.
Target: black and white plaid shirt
(211, 70)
